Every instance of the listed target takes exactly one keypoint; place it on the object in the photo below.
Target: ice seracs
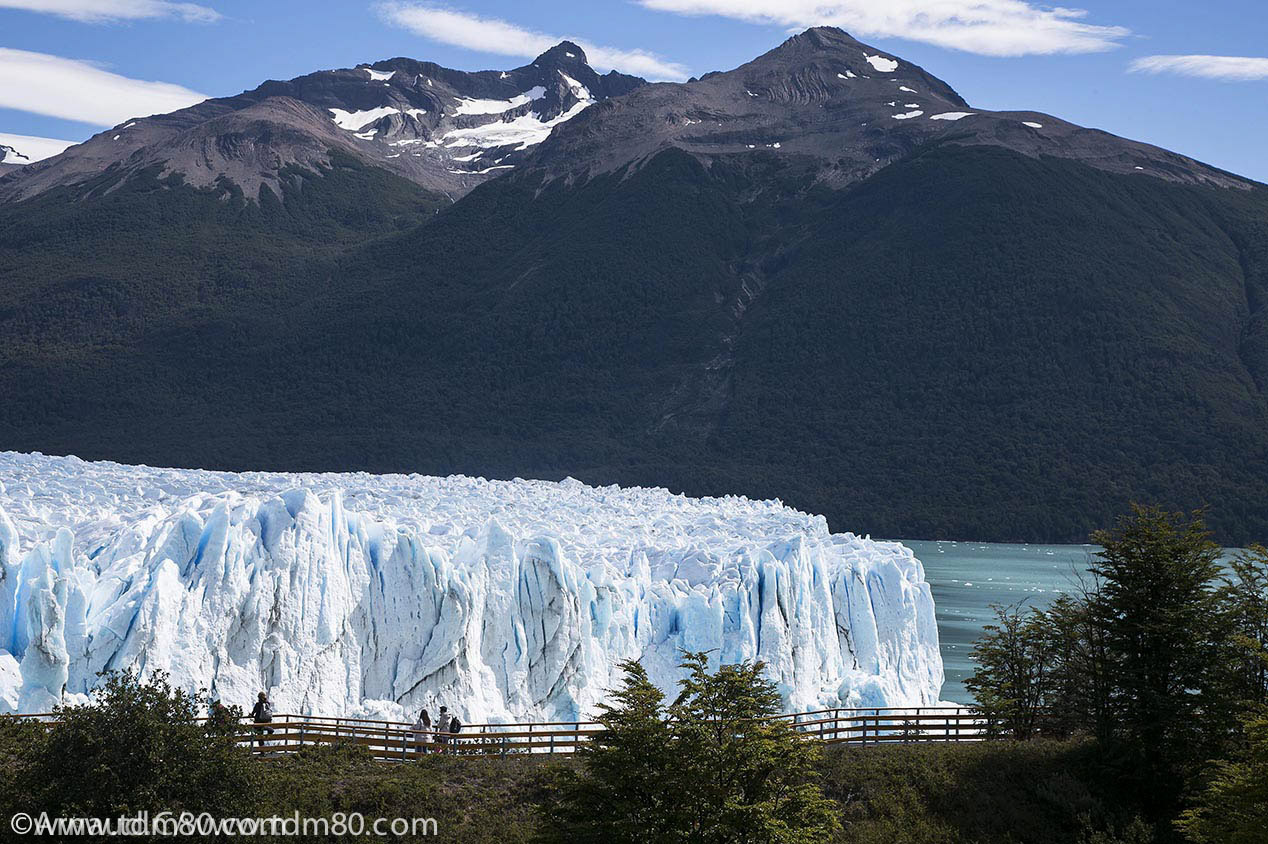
(507, 599)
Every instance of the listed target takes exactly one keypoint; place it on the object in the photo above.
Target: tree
(1244, 608)
(625, 791)
(1159, 612)
(138, 746)
(1013, 681)
(750, 776)
(1233, 807)
(1080, 676)
(713, 767)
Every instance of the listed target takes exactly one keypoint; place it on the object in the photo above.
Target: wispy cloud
(106, 11)
(76, 90)
(1226, 68)
(492, 35)
(987, 27)
(28, 149)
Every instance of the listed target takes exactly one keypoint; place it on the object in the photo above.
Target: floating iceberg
(356, 593)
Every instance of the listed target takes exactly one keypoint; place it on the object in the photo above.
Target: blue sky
(1200, 84)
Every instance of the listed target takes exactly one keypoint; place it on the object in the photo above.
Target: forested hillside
(973, 343)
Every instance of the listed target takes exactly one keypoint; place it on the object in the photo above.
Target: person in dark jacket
(455, 727)
(262, 713)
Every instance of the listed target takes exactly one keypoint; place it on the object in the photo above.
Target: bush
(711, 767)
(1233, 807)
(137, 746)
(1038, 792)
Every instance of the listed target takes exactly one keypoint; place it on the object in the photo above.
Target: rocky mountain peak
(563, 53)
(838, 108)
(447, 130)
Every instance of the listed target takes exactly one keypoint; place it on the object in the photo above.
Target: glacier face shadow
(379, 595)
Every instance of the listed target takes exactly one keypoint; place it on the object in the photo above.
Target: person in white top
(421, 735)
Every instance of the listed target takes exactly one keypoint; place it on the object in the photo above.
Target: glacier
(375, 595)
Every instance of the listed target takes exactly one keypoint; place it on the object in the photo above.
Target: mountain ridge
(869, 109)
(416, 128)
(1003, 333)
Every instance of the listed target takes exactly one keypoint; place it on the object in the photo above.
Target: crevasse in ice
(378, 595)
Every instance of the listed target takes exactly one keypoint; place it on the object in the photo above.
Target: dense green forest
(970, 344)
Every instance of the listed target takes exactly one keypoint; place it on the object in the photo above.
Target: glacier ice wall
(356, 593)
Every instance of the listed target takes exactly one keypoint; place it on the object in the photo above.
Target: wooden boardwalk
(397, 741)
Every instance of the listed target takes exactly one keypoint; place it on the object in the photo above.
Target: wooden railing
(398, 741)
(395, 740)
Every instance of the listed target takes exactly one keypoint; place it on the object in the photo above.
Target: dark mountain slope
(974, 343)
(84, 280)
(993, 332)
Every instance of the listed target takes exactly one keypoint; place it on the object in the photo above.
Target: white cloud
(491, 35)
(75, 90)
(988, 27)
(103, 11)
(30, 148)
(1228, 68)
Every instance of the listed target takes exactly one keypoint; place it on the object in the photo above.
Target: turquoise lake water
(967, 577)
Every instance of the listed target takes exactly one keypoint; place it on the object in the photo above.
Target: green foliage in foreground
(1161, 658)
(137, 747)
(710, 767)
(1233, 808)
(1036, 792)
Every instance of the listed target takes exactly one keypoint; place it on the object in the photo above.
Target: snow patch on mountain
(952, 115)
(354, 121)
(378, 75)
(28, 149)
(503, 599)
(882, 64)
(523, 131)
(473, 106)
